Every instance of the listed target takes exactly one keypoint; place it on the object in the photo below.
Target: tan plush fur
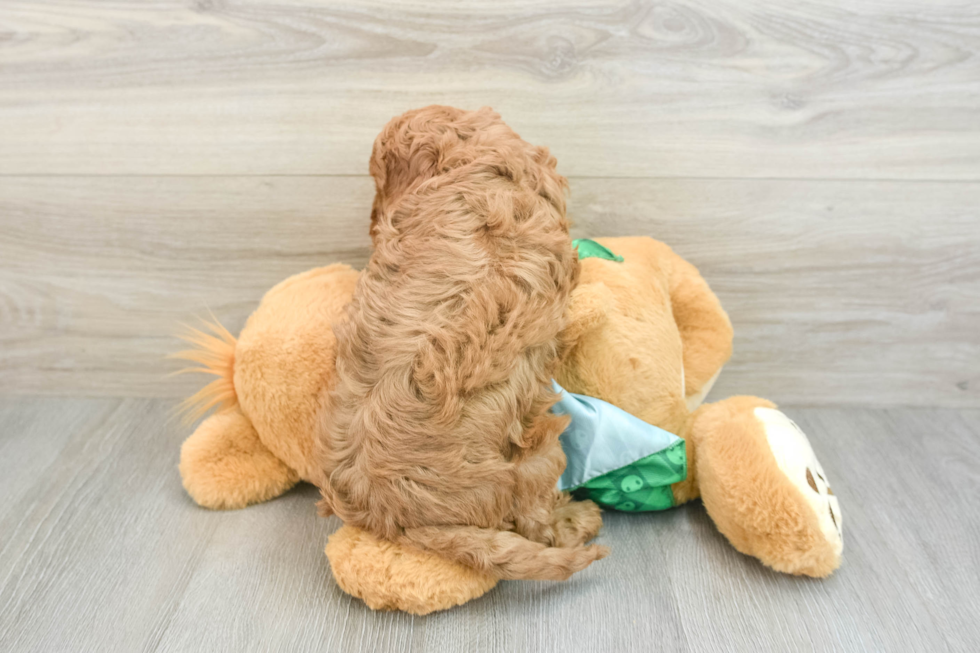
(633, 354)
(752, 503)
(214, 354)
(438, 433)
(653, 316)
(224, 464)
(289, 335)
(285, 359)
(415, 581)
(276, 371)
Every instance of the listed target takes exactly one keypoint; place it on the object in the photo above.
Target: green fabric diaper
(591, 249)
(617, 460)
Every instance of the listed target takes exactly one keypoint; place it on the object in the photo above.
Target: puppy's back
(448, 347)
(445, 356)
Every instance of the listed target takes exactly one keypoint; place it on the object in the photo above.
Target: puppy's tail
(211, 353)
(504, 554)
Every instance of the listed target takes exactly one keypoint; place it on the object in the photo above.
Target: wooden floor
(101, 550)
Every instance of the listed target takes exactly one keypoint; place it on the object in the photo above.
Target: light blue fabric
(603, 438)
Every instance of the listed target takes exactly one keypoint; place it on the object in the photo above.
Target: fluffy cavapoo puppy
(438, 432)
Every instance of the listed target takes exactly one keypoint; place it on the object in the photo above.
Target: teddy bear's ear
(586, 311)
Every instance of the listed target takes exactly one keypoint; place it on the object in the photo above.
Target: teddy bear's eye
(810, 481)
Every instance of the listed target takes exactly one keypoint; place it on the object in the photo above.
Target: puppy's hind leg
(576, 522)
(536, 494)
(542, 513)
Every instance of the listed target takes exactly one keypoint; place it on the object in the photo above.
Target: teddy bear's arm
(706, 332)
(586, 310)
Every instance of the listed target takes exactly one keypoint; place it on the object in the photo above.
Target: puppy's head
(424, 143)
(419, 145)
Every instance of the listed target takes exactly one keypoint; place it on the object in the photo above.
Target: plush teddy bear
(649, 338)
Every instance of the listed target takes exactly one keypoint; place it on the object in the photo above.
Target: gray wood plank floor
(101, 550)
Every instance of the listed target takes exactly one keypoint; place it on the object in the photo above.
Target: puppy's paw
(576, 522)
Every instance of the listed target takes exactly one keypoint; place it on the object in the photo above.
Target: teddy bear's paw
(794, 455)
(388, 576)
(225, 466)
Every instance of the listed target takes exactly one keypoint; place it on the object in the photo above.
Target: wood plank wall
(819, 161)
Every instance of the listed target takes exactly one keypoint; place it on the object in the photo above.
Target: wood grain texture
(100, 549)
(98, 274)
(694, 88)
(819, 161)
(840, 292)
